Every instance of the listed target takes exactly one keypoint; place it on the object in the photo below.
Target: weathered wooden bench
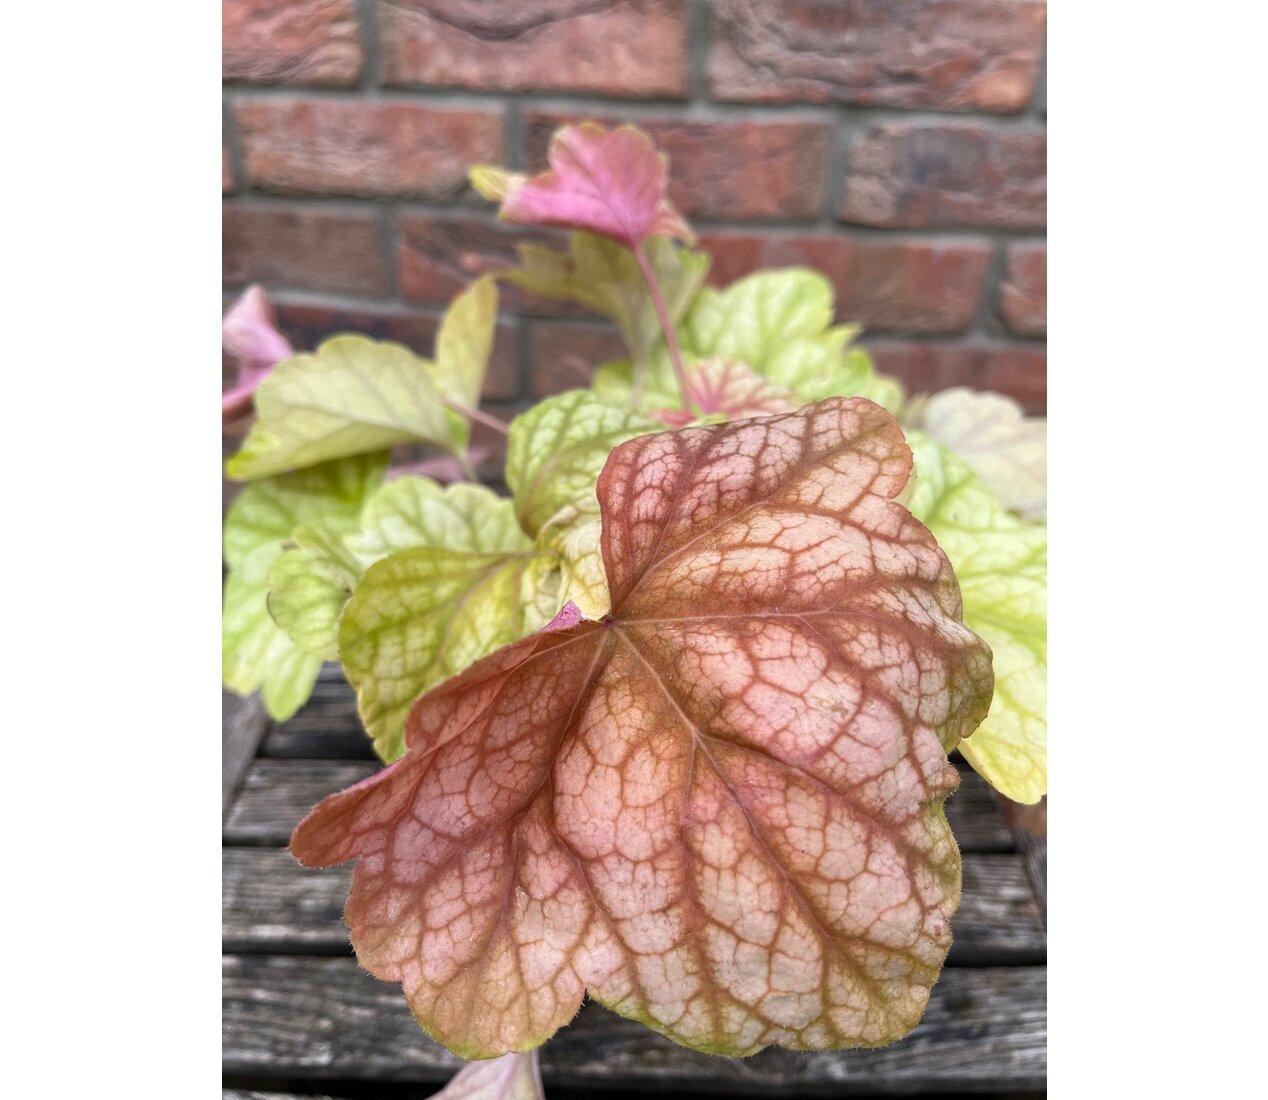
(300, 1017)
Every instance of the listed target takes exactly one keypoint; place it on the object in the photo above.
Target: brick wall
(896, 145)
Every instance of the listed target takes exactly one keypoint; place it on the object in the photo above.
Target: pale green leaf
(270, 510)
(556, 450)
(572, 534)
(1001, 564)
(614, 383)
(756, 315)
(351, 396)
(255, 652)
(307, 592)
(1005, 448)
(267, 514)
(450, 577)
(603, 276)
(421, 615)
(313, 580)
(463, 346)
(780, 323)
(415, 511)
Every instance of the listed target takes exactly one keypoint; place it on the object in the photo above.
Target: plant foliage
(669, 723)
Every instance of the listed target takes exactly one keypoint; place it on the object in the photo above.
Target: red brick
(948, 54)
(926, 367)
(1019, 372)
(1023, 297)
(564, 356)
(292, 42)
(307, 324)
(636, 48)
(355, 147)
(337, 251)
(437, 256)
(937, 174)
(725, 169)
(907, 286)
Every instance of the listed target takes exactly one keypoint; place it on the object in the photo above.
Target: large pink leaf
(612, 182)
(731, 388)
(719, 809)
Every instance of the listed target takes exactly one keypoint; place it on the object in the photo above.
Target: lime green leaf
(421, 615)
(756, 315)
(614, 383)
(269, 511)
(603, 276)
(556, 450)
(256, 652)
(313, 580)
(351, 396)
(572, 534)
(780, 323)
(1005, 448)
(451, 576)
(307, 592)
(1001, 564)
(463, 346)
(492, 182)
(415, 511)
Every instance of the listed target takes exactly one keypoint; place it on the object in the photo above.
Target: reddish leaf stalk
(662, 315)
(479, 415)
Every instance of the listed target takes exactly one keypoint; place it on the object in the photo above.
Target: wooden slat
(1030, 834)
(324, 1018)
(326, 727)
(273, 905)
(278, 793)
(238, 1094)
(242, 725)
(1034, 853)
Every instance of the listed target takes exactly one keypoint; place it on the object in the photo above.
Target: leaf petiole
(662, 315)
(471, 412)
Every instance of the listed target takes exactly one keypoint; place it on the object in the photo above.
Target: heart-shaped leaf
(1001, 563)
(451, 577)
(308, 588)
(264, 518)
(780, 323)
(610, 182)
(731, 388)
(555, 451)
(351, 396)
(1005, 448)
(720, 808)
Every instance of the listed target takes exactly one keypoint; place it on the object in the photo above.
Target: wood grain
(324, 1018)
(242, 725)
(273, 905)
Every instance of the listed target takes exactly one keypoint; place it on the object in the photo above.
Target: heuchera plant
(670, 724)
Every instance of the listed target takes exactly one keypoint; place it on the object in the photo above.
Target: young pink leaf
(250, 336)
(511, 1077)
(718, 809)
(729, 387)
(611, 182)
